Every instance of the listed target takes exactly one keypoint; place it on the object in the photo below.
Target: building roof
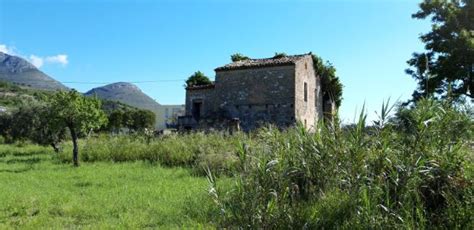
(263, 62)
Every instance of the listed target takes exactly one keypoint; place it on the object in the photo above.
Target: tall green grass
(411, 171)
(198, 151)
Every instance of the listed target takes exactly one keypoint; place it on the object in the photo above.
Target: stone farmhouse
(253, 92)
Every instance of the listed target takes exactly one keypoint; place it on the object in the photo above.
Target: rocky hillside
(18, 71)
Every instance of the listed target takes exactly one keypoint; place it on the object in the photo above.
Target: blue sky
(368, 41)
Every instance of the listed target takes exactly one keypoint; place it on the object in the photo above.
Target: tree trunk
(75, 150)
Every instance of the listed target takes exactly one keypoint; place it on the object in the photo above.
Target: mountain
(129, 94)
(17, 70)
(126, 93)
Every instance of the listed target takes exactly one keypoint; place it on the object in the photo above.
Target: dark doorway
(197, 110)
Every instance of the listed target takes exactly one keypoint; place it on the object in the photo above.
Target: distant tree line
(134, 120)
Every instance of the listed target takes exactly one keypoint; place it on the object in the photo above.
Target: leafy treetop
(198, 78)
(446, 68)
(78, 112)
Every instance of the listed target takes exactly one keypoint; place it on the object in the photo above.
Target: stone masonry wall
(306, 111)
(319, 99)
(208, 98)
(257, 96)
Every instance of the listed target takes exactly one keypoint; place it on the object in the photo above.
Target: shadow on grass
(31, 153)
(20, 170)
(29, 161)
(83, 184)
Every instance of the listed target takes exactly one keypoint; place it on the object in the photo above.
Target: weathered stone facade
(280, 91)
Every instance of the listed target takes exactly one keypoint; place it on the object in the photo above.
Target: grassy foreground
(36, 191)
(412, 170)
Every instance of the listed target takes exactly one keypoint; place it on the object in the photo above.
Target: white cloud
(59, 59)
(38, 61)
(5, 49)
(56, 59)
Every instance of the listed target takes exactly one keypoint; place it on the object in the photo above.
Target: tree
(78, 113)
(32, 123)
(47, 132)
(198, 78)
(141, 119)
(5, 126)
(330, 85)
(116, 120)
(445, 69)
(238, 57)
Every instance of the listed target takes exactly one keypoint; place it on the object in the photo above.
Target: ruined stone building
(253, 92)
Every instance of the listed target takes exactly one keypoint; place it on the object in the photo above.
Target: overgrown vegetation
(238, 57)
(279, 55)
(331, 86)
(198, 151)
(197, 79)
(412, 171)
(409, 170)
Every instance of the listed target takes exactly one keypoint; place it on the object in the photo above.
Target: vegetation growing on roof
(280, 55)
(238, 57)
(197, 79)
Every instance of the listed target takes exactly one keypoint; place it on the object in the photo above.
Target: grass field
(36, 191)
